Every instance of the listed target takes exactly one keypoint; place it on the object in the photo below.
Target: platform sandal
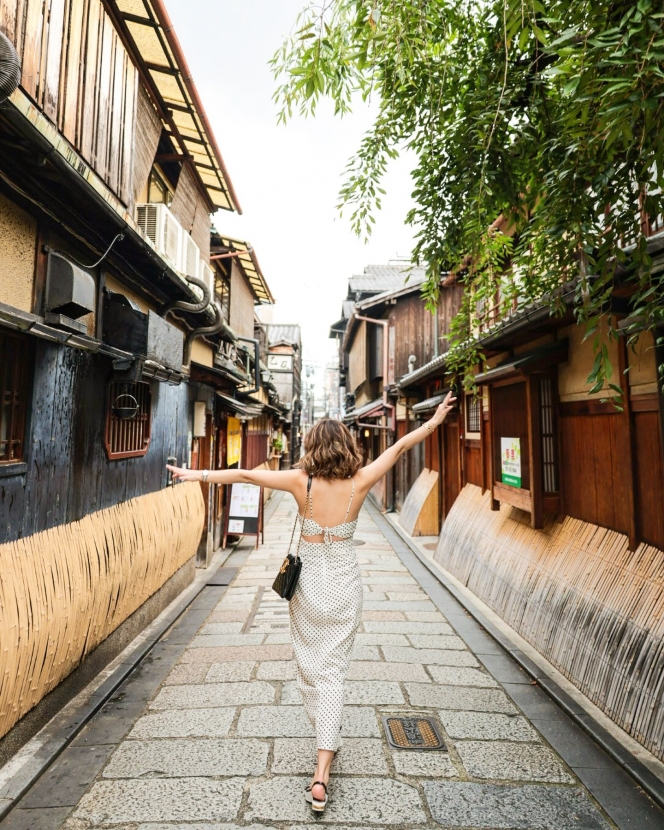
(316, 805)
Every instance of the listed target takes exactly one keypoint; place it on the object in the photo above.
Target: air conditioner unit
(189, 256)
(162, 228)
(206, 275)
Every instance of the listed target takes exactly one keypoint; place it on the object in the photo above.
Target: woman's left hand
(182, 474)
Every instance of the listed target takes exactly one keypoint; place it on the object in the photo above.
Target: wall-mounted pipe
(193, 308)
(216, 327)
(385, 324)
(257, 368)
(230, 254)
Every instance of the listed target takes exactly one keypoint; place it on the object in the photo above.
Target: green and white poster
(510, 461)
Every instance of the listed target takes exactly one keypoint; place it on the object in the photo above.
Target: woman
(329, 485)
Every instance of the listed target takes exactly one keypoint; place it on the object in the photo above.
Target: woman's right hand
(445, 407)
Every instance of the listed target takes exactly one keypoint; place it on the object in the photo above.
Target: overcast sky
(286, 178)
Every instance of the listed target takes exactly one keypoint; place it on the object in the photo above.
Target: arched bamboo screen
(578, 595)
(63, 591)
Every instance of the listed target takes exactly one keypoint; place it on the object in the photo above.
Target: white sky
(286, 178)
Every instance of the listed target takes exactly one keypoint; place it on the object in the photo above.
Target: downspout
(257, 368)
(218, 326)
(385, 324)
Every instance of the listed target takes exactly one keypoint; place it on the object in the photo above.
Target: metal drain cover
(413, 733)
(223, 576)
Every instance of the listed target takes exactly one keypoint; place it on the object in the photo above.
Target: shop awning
(367, 410)
(525, 364)
(244, 410)
(430, 403)
(433, 367)
(249, 263)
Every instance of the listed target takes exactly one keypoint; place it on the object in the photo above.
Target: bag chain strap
(290, 544)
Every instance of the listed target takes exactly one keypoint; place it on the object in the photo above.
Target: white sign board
(245, 501)
(236, 526)
(510, 461)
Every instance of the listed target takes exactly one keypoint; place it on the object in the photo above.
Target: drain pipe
(218, 326)
(385, 324)
(257, 368)
(193, 308)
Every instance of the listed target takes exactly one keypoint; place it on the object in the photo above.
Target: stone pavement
(223, 742)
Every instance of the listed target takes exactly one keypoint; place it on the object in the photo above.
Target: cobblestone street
(210, 732)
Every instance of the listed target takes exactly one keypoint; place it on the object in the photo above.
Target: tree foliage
(547, 115)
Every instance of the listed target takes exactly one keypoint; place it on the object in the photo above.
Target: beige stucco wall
(572, 376)
(202, 353)
(242, 305)
(18, 232)
(642, 365)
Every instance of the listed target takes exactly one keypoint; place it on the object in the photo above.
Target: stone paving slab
(179, 758)
(475, 700)
(184, 723)
(512, 762)
(373, 800)
(487, 727)
(172, 799)
(225, 744)
(357, 756)
(504, 807)
(213, 694)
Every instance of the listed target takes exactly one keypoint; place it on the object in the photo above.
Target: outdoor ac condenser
(206, 275)
(190, 256)
(162, 228)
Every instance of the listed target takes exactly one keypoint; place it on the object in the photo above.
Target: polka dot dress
(325, 613)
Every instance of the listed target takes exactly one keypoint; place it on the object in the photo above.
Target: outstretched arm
(289, 480)
(376, 470)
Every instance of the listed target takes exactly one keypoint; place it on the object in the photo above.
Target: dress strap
(351, 499)
(310, 497)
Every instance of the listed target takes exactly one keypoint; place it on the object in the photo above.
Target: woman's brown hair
(330, 451)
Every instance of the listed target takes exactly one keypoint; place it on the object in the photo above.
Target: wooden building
(384, 330)
(284, 362)
(552, 502)
(122, 317)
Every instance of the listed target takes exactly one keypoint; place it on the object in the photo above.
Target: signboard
(244, 511)
(280, 362)
(233, 441)
(510, 461)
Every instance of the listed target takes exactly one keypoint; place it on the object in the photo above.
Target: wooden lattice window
(128, 420)
(14, 373)
(473, 414)
(549, 449)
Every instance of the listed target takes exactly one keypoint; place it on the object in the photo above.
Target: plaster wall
(572, 385)
(18, 232)
(202, 353)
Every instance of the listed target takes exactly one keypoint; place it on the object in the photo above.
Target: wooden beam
(495, 504)
(628, 440)
(535, 451)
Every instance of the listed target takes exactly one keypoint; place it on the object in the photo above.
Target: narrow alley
(209, 731)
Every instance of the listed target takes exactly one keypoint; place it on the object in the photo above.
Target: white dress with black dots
(325, 613)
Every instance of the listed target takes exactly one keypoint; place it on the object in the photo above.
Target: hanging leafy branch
(549, 116)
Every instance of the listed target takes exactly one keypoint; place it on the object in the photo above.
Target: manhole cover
(223, 576)
(430, 545)
(413, 733)
(358, 542)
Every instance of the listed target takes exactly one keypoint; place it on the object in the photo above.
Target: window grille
(549, 462)
(129, 436)
(473, 414)
(13, 395)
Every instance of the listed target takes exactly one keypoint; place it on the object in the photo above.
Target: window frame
(125, 434)
(21, 371)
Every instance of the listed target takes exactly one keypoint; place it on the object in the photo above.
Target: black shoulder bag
(289, 573)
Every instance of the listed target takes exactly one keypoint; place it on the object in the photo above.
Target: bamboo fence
(573, 590)
(64, 590)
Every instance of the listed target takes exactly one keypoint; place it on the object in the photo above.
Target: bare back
(333, 502)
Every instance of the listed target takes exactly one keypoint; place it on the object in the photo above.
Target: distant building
(284, 362)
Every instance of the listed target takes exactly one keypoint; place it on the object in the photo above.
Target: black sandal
(316, 805)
